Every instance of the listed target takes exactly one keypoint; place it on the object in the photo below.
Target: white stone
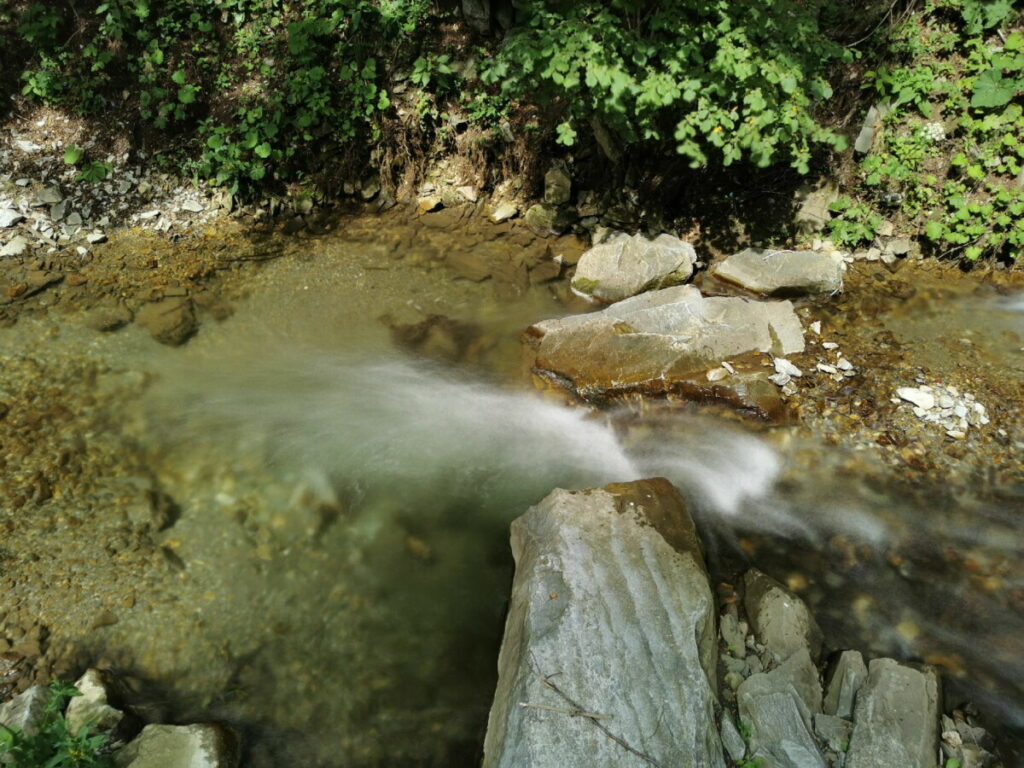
(9, 217)
(149, 214)
(919, 397)
(829, 345)
(16, 247)
(193, 206)
(782, 365)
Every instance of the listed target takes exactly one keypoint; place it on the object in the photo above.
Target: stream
(335, 578)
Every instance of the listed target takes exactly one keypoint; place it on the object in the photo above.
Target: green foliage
(94, 172)
(73, 155)
(271, 86)
(54, 745)
(951, 149)
(857, 225)
(719, 81)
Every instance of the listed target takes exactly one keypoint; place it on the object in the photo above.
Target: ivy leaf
(972, 252)
(263, 150)
(933, 230)
(187, 94)
(178, 77)
(215, 142)
(991, 90)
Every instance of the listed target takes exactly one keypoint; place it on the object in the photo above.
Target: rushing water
(344, 511)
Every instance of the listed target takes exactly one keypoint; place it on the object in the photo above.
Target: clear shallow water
(344, 509)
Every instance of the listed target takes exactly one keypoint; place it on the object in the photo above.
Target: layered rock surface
(610, 632)
(783, 273)
(670, 335)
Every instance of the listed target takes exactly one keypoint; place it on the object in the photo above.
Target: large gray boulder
(896, 719)
(663, 335)
(780, 619)
(627, 265)
(612, 615)
(783, 273)
(202, 745)
(779, 708)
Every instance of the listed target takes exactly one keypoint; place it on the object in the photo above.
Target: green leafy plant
(952, 144)
(94, 172)
(53, 745)
(718, 82)
(73, 155)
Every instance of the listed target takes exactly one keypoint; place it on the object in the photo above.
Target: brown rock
(170, 321)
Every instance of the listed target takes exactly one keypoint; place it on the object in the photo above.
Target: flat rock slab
(180, 746)
(611, 614)
(783, 273)
(627, 265)
(896, 719)
(660, 336)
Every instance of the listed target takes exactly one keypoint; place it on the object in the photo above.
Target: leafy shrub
(722, 81)
(951, 150)
(54, 745)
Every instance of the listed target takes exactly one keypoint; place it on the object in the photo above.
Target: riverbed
(297, 521)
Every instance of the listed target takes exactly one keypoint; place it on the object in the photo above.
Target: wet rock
(9, 217)
(25, 711)
(733, 742)
(779, 707)
(470, 264)
(779, 618)
(108, 317)
(194, 206)
(848, 674)
(557, 186)
(612, 614)
(92, 709)
(783, 273)
(181, 746)
(625, 266)
(545, 272)
(896, 717)
(660, 336)
(504, 212)
(16, 247)
(546, 220)
(170, 321)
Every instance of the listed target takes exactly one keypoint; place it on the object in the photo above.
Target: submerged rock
(546, 220)
(170, 321)
(202, 745)
(896, 718)
(667, 340)
(783, 273)
(779, 618)
(612, 615)
(627, 265)
(557, 186)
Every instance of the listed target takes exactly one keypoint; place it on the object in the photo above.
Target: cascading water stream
(437, 433)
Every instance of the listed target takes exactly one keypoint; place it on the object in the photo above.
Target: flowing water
(343, 508)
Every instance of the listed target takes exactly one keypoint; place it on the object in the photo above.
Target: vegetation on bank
(251, 94)
(52, 744)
